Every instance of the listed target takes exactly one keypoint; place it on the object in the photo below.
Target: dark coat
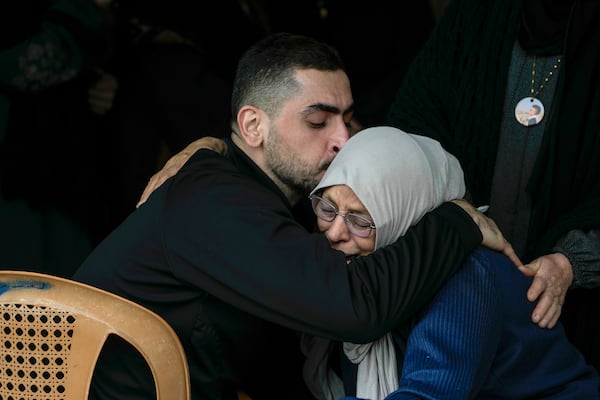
(218, 250)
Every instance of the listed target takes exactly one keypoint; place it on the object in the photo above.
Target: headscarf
(398, 177)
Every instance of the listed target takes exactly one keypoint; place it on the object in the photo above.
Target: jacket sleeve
(267, 264)
(582, 248)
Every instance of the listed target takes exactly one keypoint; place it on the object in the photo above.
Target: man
(534, 115)
(222, 250)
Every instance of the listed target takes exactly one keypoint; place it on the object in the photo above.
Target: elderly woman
(475, 339)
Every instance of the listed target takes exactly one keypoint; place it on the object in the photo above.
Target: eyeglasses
(327, 211)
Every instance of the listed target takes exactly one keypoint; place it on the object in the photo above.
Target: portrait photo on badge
(529, 111)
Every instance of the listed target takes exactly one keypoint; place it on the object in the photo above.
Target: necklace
(530, 110)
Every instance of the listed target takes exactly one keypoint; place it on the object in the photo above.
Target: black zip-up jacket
(220, 253)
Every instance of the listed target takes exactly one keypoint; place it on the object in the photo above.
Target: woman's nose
(338, 230)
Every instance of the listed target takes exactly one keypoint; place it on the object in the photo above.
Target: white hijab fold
(398, 177)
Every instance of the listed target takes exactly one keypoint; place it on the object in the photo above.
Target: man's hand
(492, 237)
(552, 276)
(177, 161)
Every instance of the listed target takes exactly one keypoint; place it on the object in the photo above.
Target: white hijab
(398, 177)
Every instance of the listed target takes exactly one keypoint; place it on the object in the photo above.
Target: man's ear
(252, 121)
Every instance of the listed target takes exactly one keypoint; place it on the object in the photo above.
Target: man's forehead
(324, 91)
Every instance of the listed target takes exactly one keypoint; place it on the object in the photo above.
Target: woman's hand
(177, 161)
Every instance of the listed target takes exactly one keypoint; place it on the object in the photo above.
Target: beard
(289, 167)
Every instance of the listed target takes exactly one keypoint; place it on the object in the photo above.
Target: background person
(176, 73)
(541, 182)
(54, 97)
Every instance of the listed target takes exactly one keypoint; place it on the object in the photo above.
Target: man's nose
(339, 138)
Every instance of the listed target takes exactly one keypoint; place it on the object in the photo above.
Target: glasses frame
(359, 231)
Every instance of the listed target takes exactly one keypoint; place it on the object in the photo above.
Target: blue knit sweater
(476, 341)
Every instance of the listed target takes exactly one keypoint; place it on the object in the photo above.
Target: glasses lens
(323, 208)
(359, 225)
(359, 222)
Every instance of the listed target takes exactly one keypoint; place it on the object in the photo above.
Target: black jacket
(218, 251)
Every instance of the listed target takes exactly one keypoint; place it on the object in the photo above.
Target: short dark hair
(537, 108)
(265, 72)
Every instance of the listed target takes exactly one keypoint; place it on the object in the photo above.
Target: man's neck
(257, 156)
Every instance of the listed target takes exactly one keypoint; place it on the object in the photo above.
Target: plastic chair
(54, 328)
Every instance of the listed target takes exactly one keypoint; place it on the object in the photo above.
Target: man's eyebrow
(327, 108)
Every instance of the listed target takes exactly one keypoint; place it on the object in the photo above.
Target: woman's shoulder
(496, 265)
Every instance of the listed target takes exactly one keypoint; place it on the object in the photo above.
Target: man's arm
(418, 264)
(266, 263)
(492, 237)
